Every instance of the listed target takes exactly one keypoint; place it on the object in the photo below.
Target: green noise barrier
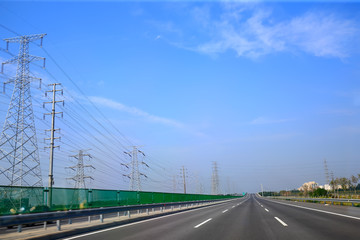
(20, 200)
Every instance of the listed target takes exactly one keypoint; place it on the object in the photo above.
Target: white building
(326, 187)
(308, 186)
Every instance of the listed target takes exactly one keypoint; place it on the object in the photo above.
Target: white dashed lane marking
(280, 221)
(203, 223)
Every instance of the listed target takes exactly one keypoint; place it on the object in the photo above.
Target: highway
(251, 217)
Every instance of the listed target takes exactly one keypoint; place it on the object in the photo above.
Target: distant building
(327, 187)
(308, 186)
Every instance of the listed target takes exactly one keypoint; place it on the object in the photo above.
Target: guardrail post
(58, 225)
(138, 211)
(179, 206)
(172, 208)
(147, 211)
(118, 214)
(45, 225)
(70, 222)
(128, 212)
(19, 229)
(153, 209)
(89, 219)
(101, 218)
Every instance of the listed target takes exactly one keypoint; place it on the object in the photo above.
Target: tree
(344, 182)
(354, 181)
(336, 182)
(333, 184)
(320, 192)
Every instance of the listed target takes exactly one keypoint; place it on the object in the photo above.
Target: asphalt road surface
(251, 217)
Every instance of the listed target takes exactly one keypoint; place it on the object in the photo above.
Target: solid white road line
(225, 211)
(266, 210)
(318, 210)
(261, 205)
(203, 223)
(280, 221)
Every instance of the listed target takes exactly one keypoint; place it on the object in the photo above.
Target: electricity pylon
(19, 155)
(135, 174)
(80, 177)
(215, 180)
(183, 175)
(327, 177)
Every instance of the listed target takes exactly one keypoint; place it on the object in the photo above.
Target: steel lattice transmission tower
(135, 174)
(215, 180)
(183, 175)
(19, 156)
(326, 169)
(79, 168)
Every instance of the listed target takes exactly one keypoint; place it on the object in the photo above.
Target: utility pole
(52, 134)
(19, 155)
(215, 180)
(135, 180)
(80, 177)
(262, 191)
(184, 178)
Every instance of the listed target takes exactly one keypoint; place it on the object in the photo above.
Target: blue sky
(266, 89)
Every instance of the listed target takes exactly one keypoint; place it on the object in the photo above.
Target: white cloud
(264, 120)
(135, 111)
(321, 34)
(315, 33)
(252, 32)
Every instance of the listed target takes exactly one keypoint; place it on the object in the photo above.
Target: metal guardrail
(19, 220)
(332, 200)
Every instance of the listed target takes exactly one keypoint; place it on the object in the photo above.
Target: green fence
(15, 200)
